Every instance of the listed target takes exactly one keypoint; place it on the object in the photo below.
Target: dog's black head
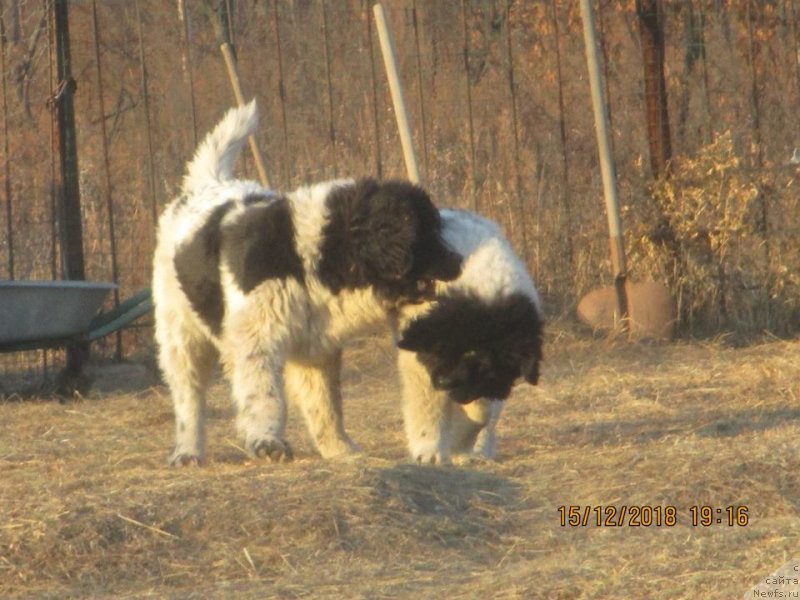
(387, 235)
(476, 349)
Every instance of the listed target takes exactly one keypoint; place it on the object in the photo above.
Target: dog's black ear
(445, 265)
(447, 328)
(408, 343)
(530, 363)
(416, 338)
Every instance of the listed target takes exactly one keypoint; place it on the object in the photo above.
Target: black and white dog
(461, 353)
(273, 284)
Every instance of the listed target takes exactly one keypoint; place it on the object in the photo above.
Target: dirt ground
(89, 509)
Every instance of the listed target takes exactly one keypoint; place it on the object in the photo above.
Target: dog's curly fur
(461, 354)
(273, 284)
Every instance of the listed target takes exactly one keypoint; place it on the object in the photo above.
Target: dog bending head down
(474, 348)
(273, 284)
(461, 353)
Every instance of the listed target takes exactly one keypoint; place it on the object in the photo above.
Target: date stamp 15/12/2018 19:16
(645, 515)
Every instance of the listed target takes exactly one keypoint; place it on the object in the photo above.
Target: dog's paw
(472, 459)
(430, 453)
(340, 448)
(267, 447)
(485, 447)
(435, 458)
(185, 459)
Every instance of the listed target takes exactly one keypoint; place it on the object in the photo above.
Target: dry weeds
(88, 508)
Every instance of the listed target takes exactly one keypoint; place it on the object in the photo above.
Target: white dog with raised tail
(274, 283)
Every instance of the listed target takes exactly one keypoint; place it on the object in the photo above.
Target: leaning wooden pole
(389, 60)
(233, 73)
(606, 159)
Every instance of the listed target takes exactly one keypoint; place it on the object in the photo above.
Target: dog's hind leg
(426, 412)
(257, 385)
(187, 359)
(316, 389)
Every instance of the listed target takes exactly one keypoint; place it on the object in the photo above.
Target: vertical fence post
(512, 93)
(754, 103)
(186, 61)
(706, 87)
(562, 130)
(655, 88)
(763, 216)
(470, 123)
(374, 81)
(107, 171)
(71, 226)
(54, 250)
(792, 17)
(54, 262)
(287, 171)
(6, 152)
(420, 94)
(146, 112)
(329, 88)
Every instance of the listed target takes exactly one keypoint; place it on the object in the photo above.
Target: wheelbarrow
(49, 314)
(37, 315)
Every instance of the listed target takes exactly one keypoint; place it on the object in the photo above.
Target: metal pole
(655, 93)
(606, 158)
(54, 250)
(72, 227)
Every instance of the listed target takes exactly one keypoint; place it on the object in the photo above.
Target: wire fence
(499, 102)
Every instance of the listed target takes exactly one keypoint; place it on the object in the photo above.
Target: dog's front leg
(486, 442)
(426, 412)
(474, 424)
(257, 387)
(316, 389)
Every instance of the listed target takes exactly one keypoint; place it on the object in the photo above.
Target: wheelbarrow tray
(39, 313)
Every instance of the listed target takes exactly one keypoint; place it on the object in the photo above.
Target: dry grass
(89, 509)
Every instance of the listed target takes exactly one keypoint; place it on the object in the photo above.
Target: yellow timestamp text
(646, 515)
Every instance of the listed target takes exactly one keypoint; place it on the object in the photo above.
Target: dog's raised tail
(213, 161)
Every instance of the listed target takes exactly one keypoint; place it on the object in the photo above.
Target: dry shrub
(720, 235)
